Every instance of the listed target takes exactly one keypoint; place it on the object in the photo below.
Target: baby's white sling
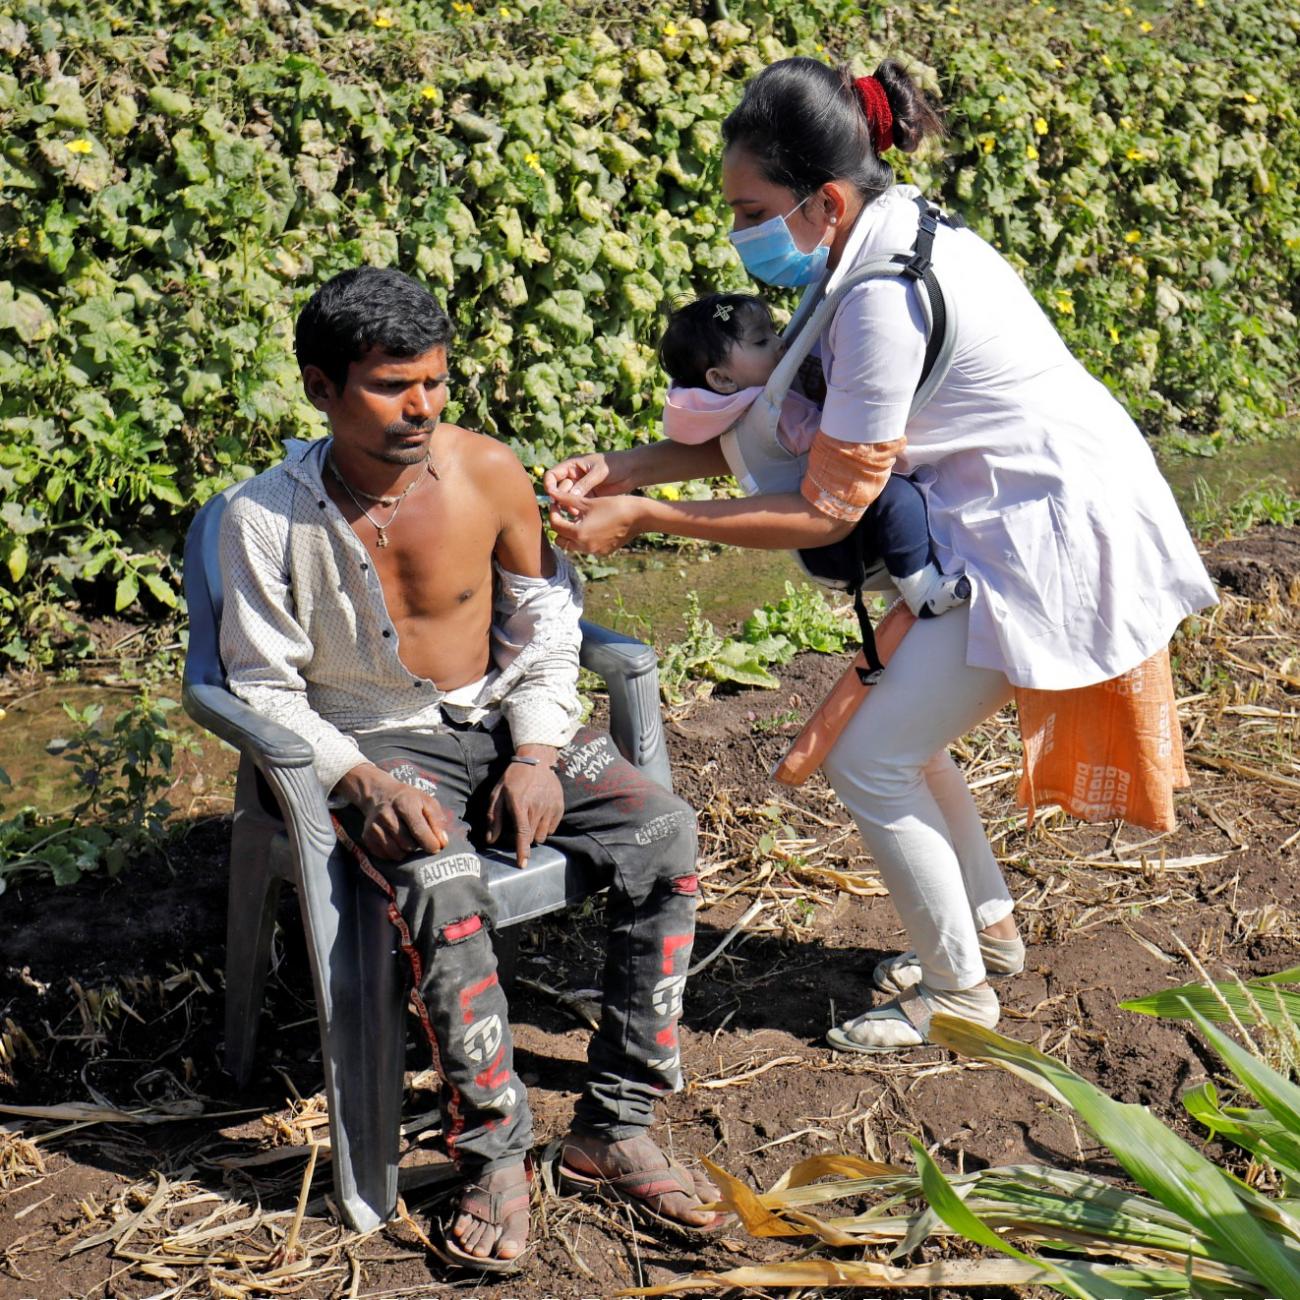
(753, 451)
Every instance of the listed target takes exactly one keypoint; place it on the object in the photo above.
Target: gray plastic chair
(282, 831)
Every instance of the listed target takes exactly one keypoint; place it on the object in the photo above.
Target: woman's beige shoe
(904, 1021)
(1003, 958)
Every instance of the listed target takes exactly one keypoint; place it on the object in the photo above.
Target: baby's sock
(929, 593)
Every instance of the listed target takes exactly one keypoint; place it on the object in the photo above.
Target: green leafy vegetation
(1233, 1238)
(801, 620)
(118, 780)
(176, 178)
(1215, 515)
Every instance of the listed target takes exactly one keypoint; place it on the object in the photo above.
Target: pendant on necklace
(383, 537)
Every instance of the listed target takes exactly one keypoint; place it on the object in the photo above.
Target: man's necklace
(395, 502)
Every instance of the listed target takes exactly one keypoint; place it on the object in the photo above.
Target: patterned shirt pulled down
(307, 641)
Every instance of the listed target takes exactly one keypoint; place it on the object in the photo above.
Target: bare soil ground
(111, 995)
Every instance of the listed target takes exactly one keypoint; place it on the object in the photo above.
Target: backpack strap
(919, 266)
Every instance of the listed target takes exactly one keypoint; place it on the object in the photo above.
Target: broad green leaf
(169, 102)
(1277, 1095)
(1253, 1131)
(565, 308)
(737, 662)
(17, 559)
(128, 588)
(1156, 1158)
(120, 114)
(25, 314)
(159, 589)
(1188, 999)
(953, 1211)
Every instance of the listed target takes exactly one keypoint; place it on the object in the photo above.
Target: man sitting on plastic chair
(391, 597)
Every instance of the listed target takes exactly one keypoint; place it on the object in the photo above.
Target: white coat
(1043, 487)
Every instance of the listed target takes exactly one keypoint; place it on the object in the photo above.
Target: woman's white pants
(892, 770)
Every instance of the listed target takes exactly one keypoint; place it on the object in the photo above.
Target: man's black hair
(367, 307)
(701, 334)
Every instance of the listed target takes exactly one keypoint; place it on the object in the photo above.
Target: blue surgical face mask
(771, 255)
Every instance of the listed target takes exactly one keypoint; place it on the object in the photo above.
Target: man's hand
(400, 820)
(533, 799)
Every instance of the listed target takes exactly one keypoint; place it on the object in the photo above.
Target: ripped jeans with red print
(633, 836)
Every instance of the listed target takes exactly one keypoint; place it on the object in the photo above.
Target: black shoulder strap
(847, 554)
(917, 266)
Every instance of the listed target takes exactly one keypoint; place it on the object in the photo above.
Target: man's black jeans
(633, 835)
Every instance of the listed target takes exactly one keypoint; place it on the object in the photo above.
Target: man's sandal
(642, 1191)
(1003, 958)
(904, 1022)
(492, 1208)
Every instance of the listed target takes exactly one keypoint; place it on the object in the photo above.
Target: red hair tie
(880, 117)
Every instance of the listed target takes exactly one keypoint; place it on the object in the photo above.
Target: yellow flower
(819, 47)
(1145, 26)
(670, 492)
(80, 146)
(1056, 63)
(1040, 125)
(1105, 58)
(1127, 11)
(1002, 99)
(503, 11)
(429, 92)
(533, 161)
(383, 20)
(1132, 236)
(988, 141)
(1031, 153)
(1250, 99)
(953, 9)
(1135, 155)
(670, 29)
(1065, 303)
(1114, 334)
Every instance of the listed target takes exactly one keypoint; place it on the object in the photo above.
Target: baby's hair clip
(723, 311)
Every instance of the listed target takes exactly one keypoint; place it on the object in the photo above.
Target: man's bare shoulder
(491, 464)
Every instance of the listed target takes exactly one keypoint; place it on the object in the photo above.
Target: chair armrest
(630, 670)
(227, 716)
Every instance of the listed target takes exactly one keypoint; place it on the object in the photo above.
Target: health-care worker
(1042, 489)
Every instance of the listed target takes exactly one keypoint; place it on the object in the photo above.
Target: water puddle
(1234, 472)
(35, 724)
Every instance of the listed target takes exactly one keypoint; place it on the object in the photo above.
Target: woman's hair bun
(915, 118)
